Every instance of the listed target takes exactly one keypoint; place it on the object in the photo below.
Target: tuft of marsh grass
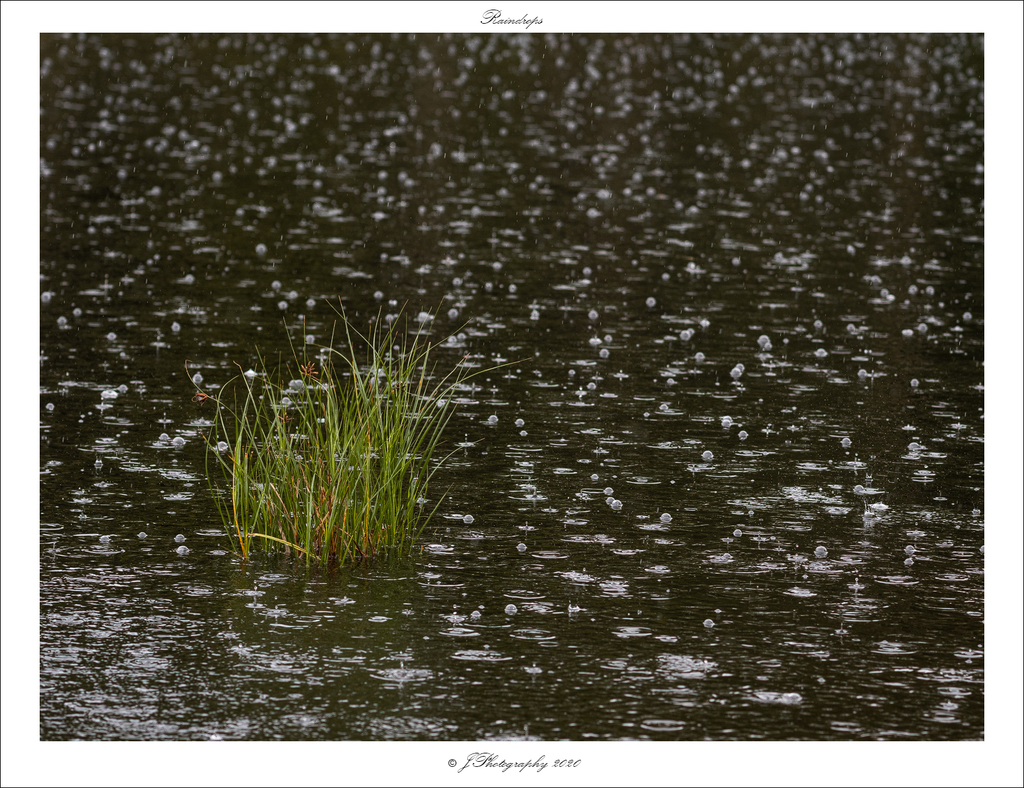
(331, 459)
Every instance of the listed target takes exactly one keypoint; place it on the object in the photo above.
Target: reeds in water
(333, 464)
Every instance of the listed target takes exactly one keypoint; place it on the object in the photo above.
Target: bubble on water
(737, 533)
(76, 312)
(764, 342)
(708, 623)
(104, 539)
(743, 435)
(909, 562)
(858, 489)
(475, 615)
(511, 610)
(310, 339)
(820, 552)
(707, 456)
(282, 305)
(616, 505)
(922, 328)
(879, 507)
(910, 549)
(49, 406)
(651, 302)
(310, 303)
(686, 334)
(179, 538)
(492, 419)
(914, 446)
(183, 550)
(592, 314)
(818, 325)
(98, 464)
(603, 353)
(609, 491)
(908, 332)
(261, 249)
(467, 519)
(164, 436)
(594, 477)
(727, 422)
(520, 422)
(862, 373)
(736, 371)
(968, 317)
(198, 379)
(109, 394)
(142, 534)
(175, 327)
(573, 608)
(914, 383)
(187, 279)
(222, 446)
(249, 374)
(846, 443)
(666, 517)
(62, 321)
(699, 357)
(178, 442)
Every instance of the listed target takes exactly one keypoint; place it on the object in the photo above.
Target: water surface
(734, 485)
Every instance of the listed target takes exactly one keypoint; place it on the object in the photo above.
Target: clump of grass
(333, 464)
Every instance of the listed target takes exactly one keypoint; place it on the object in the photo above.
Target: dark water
(629, 218)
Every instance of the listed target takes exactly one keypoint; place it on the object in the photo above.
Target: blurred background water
(732, 489)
